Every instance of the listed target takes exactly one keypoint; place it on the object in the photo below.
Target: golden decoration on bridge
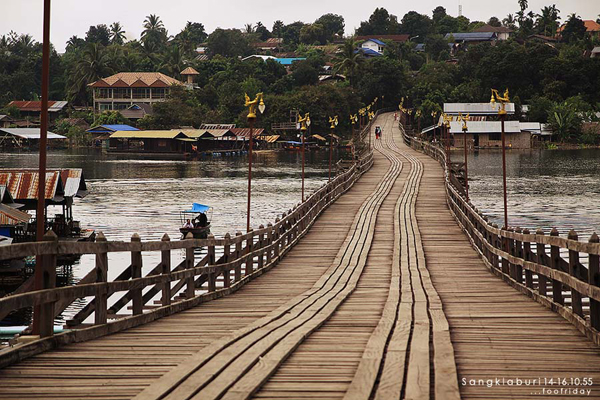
(304, 122)
(503, 100)
(252, 105)
(334, 121)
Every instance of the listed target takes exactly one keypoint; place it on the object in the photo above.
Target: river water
(546, 188)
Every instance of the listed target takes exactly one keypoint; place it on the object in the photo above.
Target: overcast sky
(73, 17)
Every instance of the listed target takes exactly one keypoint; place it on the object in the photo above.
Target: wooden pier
(383, 284)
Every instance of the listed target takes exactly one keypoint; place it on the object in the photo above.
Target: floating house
(488, 134)
(156, 141)
(24, 137)
(61, 187)
(33, 109)
(10, 216)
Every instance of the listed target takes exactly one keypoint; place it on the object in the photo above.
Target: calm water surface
(546, 188)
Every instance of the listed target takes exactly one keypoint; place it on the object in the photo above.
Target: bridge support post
(269, 243)
(165, 258)
(506, 248)
(276, 238)
(594, 279)
(43, 315)
(541, 259)
(100, 316)
(574, 271)
(261, 243)
(555, 264)
(136, 272)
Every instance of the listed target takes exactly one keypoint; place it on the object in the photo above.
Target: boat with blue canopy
(196, 221)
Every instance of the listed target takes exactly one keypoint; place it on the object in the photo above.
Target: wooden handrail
(509, 253)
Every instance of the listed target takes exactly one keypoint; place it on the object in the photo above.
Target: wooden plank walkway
(384, 298)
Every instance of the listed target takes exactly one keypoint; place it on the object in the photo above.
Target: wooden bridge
(383, 284)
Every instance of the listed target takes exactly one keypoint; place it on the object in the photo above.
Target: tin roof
(486, 127)
(217, 133)
(23, 183)
(157, 134)
(245, 132)
(191, 133)
(190, 71)
(136, 79)
(111, 128)
(36, 106)
(476, 108)
(29, 133)
(268, 139)
(471, 36)
(12, 216)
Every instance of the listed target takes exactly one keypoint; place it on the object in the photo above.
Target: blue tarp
(111, 128)
(198, 208)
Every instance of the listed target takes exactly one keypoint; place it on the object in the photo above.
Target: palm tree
(510, 22)
(547, 22)
(349, 60)
(173, 62)
(93, 65)
(154, 32)
(117, 34)
(249, 28)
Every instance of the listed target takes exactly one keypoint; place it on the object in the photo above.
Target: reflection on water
(129, 194)
(546, 188)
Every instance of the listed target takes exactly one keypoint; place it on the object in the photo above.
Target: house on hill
(592, 28)
(122, 90)
(472, 37)
(502, 32)
(373, 44)
(391, 38)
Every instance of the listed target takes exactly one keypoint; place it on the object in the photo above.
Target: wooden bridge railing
(243, 257)
(561, 273)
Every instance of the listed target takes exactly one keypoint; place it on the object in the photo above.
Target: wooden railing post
(43, 315)
(212, 277)
(555, 264)
(574, 271)
(276, 234)
(249, 256)
(165, 258)
(594, 279)
(506, 248)
(527, 256)
(495, 242)
(541, 259)
(269, 243)
(261, 244)
(226, 259)
(190, 281)
(518, 252)
(136, 272)
(100, 316)
(238, 255)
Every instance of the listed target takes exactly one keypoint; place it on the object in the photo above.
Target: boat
(199, 216)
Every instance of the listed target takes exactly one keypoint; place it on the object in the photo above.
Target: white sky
(73, 17)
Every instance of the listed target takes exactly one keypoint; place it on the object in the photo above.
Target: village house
(465, 38)
(271, 45)
(488, 134)
(26, 138)
(384, 38)
(374, 45)
(592, 28)
(122, 90)
(502, 32)
(5, 121)
(137, 111)
(33, 109)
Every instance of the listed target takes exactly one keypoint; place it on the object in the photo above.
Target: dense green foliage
(559, 81)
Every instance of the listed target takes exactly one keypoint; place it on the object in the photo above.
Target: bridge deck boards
(123, 364)
(324, 364)
(496, 331)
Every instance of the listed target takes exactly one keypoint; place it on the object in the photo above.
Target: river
(546, 188)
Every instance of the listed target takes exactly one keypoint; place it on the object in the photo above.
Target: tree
(349, 60)
(436, 46)
(380, 23)
(304, 73)
(154, 34)
(416, 24)
(93, 64)
(494, 21)
(117, 34)
(313, 34)
(262, 31)
(278, 28)
(333, 25)
(510, 22)
(194, 33)
(228, 43)
(98, 34)
(574, 29)
(291, 33)
(547, 22)
(438, 13)
(173, 62)
(74, 43)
